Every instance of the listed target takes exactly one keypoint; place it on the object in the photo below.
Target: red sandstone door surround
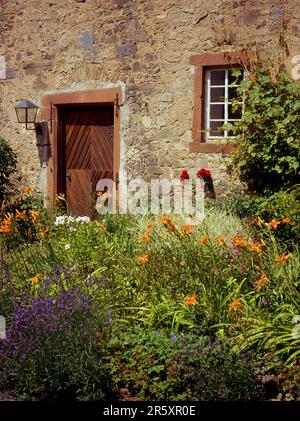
(84, 133)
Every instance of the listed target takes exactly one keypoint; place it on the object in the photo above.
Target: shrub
(268, 148)
(283, 205)
(157, 366)
(241, 205)
(8, 166)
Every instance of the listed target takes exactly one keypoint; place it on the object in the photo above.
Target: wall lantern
(26, 113)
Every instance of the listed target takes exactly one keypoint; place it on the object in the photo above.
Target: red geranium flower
(184, 175)
(203, 173)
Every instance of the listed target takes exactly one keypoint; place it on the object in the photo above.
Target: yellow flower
(203, 240)
(142, 260)
(262, 281)
(235, 304)
(191, 300)
(36, 279)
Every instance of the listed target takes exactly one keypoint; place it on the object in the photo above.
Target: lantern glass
(21, 115)
(26, 112)
(31, 115)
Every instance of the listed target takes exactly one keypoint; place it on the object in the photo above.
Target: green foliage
(268, 136)
(8, 166)
(281, 205)
(154, 366)
(241, 205)
(267, 321)
(193, 282)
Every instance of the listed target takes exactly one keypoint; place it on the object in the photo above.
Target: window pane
(217, 94)
(217, 77)
(215, 128)
(232, 93)
(237, 114)
(217, 112)
(235, 78)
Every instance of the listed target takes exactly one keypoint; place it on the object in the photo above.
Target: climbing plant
(268, 135)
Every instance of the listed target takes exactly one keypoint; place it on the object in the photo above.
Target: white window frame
(226, 102)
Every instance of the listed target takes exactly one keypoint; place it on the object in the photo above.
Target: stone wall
(143, 46)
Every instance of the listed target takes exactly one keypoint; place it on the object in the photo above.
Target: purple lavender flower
(234, 249)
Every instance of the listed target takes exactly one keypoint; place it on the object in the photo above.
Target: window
(220, 90)
(215, 85)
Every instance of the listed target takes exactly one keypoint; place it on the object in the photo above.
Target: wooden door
(89, 154)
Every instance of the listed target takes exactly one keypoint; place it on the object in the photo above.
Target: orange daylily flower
(273, 224)
(8, 220)
(34, 215)
(5, 229)
(235, 304)
(287, 220)
(165, 220)
(221, 240)
(27, 190)
(44, 233)
(282, 259)
(203, 240)
(255, 246)
(142, 260)
(149, 226)
(262, 281)
(146, 236)
(191, 300)
(187, 228)
(238, 241)
(36, 279)
(21, 214)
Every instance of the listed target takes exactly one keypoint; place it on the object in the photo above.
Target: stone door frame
(50, 105)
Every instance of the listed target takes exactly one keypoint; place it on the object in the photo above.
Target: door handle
(69, 177)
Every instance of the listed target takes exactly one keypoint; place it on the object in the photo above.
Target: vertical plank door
(89, 155)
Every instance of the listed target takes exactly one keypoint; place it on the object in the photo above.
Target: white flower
(72, 229)
(70, 219)
(83, 219)
(60, 220)
(67, 246)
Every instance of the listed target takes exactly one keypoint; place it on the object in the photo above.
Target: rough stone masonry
(143, 46)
